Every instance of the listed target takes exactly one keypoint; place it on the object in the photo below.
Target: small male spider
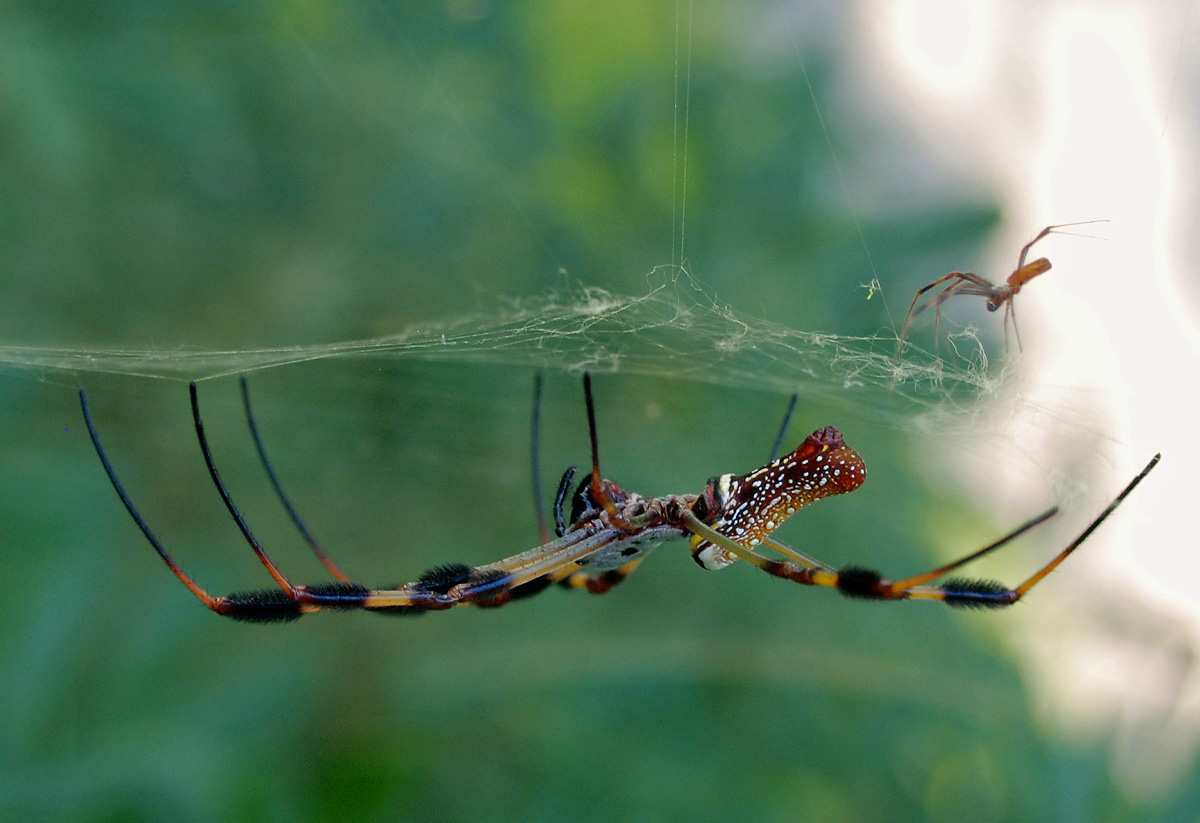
(609, 532)
(966, 283)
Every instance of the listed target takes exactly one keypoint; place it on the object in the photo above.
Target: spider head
(710, 502)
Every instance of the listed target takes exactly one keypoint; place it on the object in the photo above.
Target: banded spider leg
(859, 582)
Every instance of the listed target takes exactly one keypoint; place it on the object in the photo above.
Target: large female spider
(609, 532)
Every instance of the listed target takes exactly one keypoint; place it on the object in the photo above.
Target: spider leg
(442, 587)
(207, 599)
(454, 584)
(495, 584)
(599, 489)
(1040, 235)
(560, 496)
(1049, 567)
(966, 283)
(513, 578)
(913, 311)
(265, 606)
(855, 581)
(566, 577)
(793, 555)
(505, 592)
(798, 568)
(601, 583)
(1010, 312)
(988, 594)
(535, 458)
(972, 285)
(242, 525)
(783, 427)
(1053, 230)
(283, 497)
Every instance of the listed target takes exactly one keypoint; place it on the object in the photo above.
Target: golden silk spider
(609, 533)
(972, 285)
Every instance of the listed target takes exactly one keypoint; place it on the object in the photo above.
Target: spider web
(678, 329)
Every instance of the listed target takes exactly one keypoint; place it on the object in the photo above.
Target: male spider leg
(1010, 313)
(913, 312)
(1054, 230)
(966, 283)
(1026, 272)
(325, 559)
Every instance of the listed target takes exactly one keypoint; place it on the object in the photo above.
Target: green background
(233, 176)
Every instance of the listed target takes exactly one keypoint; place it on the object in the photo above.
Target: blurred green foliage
(235, 175)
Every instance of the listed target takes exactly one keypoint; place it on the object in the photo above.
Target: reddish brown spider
(966, 283)
(609, 533)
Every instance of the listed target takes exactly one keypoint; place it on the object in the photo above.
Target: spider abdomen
(754, 505)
